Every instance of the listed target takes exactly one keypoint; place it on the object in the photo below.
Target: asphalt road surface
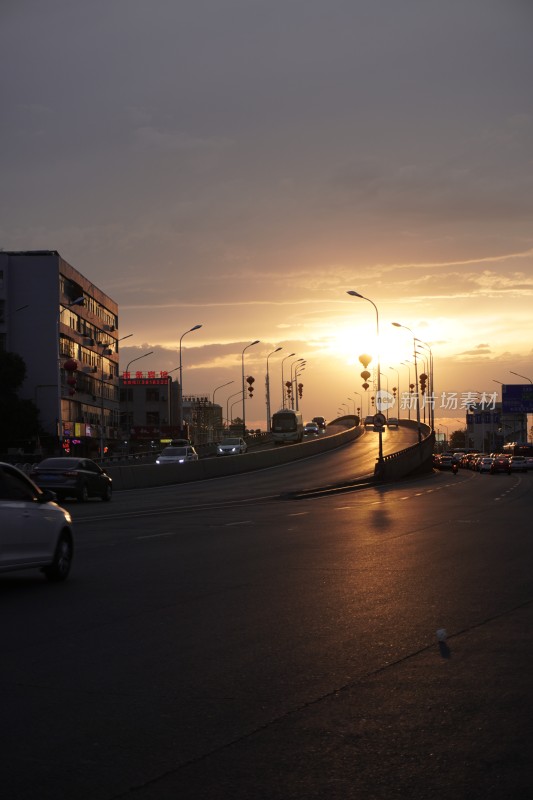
(219, 641)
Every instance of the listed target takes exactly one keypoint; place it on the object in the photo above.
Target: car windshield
(174, 451)
(231, 441)
(59, 463)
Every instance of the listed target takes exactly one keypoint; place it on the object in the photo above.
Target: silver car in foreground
(35, 533)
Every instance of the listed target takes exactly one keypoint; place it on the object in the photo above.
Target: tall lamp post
(521, 376)
(282, 379)
(180, 390)
(298, 361)
(137, 359)
(298, 371)
(267, 381)
(421, 354)
(360, 401)
(378, 395)
(127, 392)
(228, 420)
(214, 392)
(398, 325)
(243, 394)
(429, 361)
(234, 404)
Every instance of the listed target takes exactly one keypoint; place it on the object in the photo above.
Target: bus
(287, 426)
(518, 449)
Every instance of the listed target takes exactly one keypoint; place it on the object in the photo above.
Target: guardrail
(416, 458)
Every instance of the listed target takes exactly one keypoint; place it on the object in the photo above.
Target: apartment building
(67, 331)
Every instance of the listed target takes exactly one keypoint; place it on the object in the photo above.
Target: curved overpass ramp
(342, 432)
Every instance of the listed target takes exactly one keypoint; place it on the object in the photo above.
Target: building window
(152, 395)
(2, 310)
(152, 417)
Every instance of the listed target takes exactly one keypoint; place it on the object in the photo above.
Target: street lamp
(299, 368)
(243, 395)
(378, 394)
(267, 382)
(137, 359)
(360, 401)
(431, 388)
(227, 406)
(235, 403)
(127, 390)
(180, 390)
(520, 376)
(420, 353)
(298, 361)
(105, 352)
(282, 383)
(214, 392)
(398, 325)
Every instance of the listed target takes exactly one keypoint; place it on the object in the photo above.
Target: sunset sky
(242, 164)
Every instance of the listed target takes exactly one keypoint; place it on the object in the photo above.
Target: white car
(518, 464)
(177, 455)
(35, 533)
(231, 446)
(485, 463)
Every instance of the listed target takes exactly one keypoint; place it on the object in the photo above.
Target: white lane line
(158, 535)
(299, 514)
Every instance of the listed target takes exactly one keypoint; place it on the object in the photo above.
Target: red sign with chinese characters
(145, 378)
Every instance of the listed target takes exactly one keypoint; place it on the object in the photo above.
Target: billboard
(517, 398)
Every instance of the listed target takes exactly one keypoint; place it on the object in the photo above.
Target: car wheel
(108, 491)
(83, 494)
(60, 566)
